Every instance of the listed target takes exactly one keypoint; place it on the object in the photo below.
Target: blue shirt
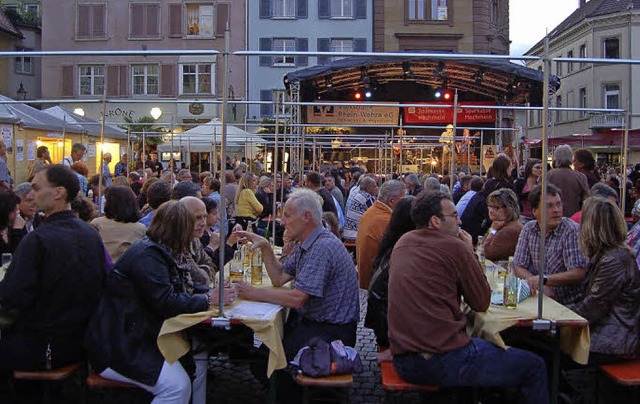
(147, 219)
(464, 201)
(324, 270)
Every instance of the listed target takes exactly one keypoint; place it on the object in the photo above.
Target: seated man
(325, 296)
(426, 326)
(565, 264)
(54, 281)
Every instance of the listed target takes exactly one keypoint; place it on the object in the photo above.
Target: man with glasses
(432, 268)
(565, 264)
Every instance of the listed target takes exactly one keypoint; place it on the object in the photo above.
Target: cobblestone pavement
(229, 383)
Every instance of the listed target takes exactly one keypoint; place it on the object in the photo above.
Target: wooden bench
(391, 380)
(47, 377)
(338, 385)
(625, 374)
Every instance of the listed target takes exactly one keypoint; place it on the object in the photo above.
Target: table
(174, 345)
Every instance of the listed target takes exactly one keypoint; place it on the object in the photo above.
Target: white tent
(203, 138)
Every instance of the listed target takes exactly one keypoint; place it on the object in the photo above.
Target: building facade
(480, 26)
(96, 26)
(300, 25)
(603, 29)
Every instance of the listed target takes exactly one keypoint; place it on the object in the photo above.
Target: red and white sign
(445, 115)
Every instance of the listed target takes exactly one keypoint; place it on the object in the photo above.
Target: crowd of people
(99, 263)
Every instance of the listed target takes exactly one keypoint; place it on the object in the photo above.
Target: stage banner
(353, 114)
(418, 115)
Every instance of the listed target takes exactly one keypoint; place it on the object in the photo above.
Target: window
(284, 8)
(91, 79)
(341, 45)
(24, 64)
(341, 8)
(582, 102)
(559, 105)
(91, 21)
(284, 45)
(32, 9)
(145, 79)
(612, 96)
(570, 64)
(199, 22)
(494, 11)
(427, 10)
(583, 55)
(12, 8)
(559, 68)
(144, 20)
(196, 79)
(612, 48)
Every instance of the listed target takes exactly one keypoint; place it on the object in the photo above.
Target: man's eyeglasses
(453, 215)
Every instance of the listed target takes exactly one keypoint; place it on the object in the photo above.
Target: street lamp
(79, 111)
(156, 112)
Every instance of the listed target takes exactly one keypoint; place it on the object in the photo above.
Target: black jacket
(475, 219)
(142, 291)
(54, 281)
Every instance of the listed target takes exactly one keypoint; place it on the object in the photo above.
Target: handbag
(320, 359)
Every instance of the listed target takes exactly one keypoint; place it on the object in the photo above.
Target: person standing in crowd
(54, 281)
(324, 298)
(247, 206)
(121, 167)
(105, 171)
(372, 226)
(358, 202)
(413, 183)
(612, 286)
(501, 239)
(145, 288)
(27, 207)
(501, 175)
(119, 227)
(330, 185)
(585, 163)
(565, 269)
(572, 184)
(313, 181)
(427, 332)
(78, 151)
(378, 299)
(81, 170)
(522, 187)
(5, 174)
(43, 159)
(157, 193)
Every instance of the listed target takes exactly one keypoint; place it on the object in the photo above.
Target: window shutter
(265, 8)
(175, 20)
(302, 9)
(324, 9)
(113, 75)
(266, 45)
(168, 80)
(153, 21)
(137, 21)
(84, 15)
(302, 45)
(222, 16)
(67, 81)
(360, 44)
(266, 110)
(360, 10)
(124, 81)
(324, 45)
(99, 14)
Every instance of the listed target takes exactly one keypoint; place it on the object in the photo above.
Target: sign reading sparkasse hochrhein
(429, 114)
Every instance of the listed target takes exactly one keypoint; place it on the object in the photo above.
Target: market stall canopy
(31, 118)
(201, 138)
(494, 80)
(91, 127)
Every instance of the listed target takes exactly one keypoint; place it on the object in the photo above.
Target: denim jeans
(479, 364)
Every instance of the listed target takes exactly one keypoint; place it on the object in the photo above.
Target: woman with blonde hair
(502, 237)
(248, 208)
(612, 286)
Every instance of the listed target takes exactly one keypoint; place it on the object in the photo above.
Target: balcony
(607, 121)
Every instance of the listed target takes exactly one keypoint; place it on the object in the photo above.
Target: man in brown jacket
(572, 184)
(432, 268)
